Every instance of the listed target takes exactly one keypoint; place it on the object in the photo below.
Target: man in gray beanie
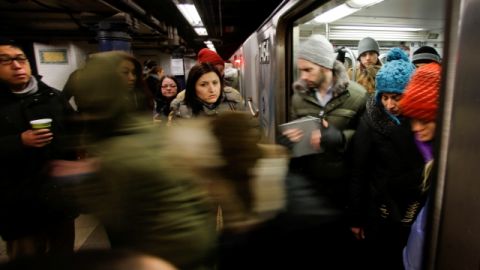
(364, 74)
(316, 183)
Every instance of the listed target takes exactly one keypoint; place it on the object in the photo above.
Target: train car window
(408, 24)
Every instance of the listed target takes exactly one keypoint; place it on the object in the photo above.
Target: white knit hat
(318, 50)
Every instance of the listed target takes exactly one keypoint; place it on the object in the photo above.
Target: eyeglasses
(169, 85)
(7, 60)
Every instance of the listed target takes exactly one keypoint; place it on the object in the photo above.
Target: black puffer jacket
(23, 168)
(387, 169)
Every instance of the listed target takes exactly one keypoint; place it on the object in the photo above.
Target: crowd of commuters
(182, 191)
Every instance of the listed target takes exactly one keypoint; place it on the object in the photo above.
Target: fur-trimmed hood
(340, 78)
(230, 96)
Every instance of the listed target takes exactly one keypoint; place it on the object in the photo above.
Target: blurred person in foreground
(142, 190)
(92, 260)
(387, 169)
(317, 183)
(138, 97)
(420, 104)
(205, 95)
(27, 222)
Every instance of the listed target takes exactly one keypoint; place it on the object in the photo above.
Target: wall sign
(176, 67)
(54, 56)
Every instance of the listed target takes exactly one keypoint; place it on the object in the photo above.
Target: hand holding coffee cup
(40, 134)
(44, 123)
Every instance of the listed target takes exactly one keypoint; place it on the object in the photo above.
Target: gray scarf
(32, 88)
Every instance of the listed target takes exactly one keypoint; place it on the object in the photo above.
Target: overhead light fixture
(377, 28)
(379, 36)
(190, 13)
(201, 31)
(362, 3)
(210, 45)
(344, 10)
(335, 13)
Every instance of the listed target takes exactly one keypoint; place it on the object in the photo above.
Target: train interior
(391, 23)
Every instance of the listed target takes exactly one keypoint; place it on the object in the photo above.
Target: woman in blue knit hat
(387, 168)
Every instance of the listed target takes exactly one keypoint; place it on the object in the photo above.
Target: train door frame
(453, 241)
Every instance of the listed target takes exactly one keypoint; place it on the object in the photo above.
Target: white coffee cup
(44, 123)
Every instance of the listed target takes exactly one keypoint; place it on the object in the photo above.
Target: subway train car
(266, 61)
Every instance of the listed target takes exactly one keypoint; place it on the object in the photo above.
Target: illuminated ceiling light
(351, 6)
(377, 28)
(335, 13)
(201, 31)
(362, 3)
(210, 45)
(191, 14)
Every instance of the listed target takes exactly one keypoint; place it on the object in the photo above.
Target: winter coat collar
(339, 89)
(378, 117)
(339, 86)
(340, 83)
(230, 95)
(6, 93)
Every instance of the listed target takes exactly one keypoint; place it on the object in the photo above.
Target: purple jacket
(413, 252)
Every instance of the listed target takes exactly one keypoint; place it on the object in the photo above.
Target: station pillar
(113, 41)
(113, 33)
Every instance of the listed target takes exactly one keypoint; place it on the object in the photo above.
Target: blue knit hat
(394, 75)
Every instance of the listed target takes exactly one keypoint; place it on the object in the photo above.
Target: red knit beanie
(420, 100)
(208, 56)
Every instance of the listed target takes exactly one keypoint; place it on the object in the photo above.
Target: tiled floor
(88, 235)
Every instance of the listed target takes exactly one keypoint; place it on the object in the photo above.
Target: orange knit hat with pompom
(420, 100)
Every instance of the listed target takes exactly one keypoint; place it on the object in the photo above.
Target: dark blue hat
(395, 74)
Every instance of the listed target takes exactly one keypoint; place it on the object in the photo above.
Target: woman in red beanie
(420, 104)
(208, 56)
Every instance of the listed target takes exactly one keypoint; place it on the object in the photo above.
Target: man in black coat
(27, 223)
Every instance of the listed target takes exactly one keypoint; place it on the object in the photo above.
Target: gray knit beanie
(318, 50)
(368, 44)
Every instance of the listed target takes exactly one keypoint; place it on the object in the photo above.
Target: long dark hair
(197, 71)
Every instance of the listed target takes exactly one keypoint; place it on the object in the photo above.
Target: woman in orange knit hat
(420, 104)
